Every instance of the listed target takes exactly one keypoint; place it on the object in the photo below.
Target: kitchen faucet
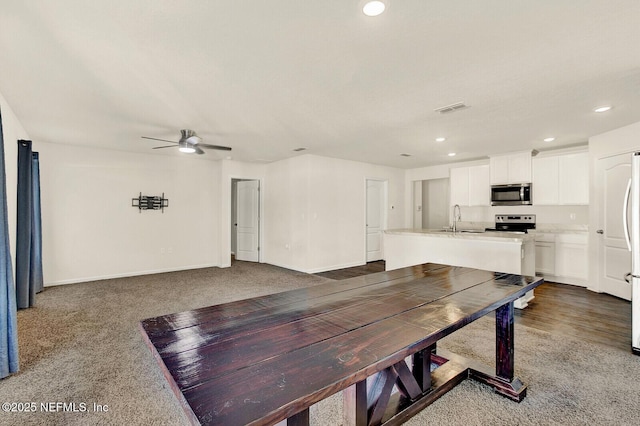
(456, 216)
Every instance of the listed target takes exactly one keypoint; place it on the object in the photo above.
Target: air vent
(451, 108)
(299, 149)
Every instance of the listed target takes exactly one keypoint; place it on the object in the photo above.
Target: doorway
(376, 218)
(614, 259)
(245, 219)
(431, 203)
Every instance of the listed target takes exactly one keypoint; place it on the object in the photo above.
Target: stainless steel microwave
(511, 195)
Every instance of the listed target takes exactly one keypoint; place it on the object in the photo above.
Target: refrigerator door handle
(627, 235)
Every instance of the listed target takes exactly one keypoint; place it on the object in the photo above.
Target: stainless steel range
(519, 223)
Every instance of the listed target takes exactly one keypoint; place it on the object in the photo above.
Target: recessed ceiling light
(441, 139)
(549, 139)
(451, 154)
(373, 8)
(603, 108)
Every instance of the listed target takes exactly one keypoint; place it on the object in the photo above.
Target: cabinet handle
(627, 277)
(600, 231)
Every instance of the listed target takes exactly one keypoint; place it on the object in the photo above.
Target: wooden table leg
(355, 405)
(422, 367)
(503, 382)
(300, 419)
(504, 342)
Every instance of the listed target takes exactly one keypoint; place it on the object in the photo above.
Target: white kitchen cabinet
(572, 256)
(545, 254)
(459, 186)
(573, 178)
(479, 186)
(545, 181)
(511, 168)
(469, 186)
(499, 170)
(561, 179)
(563, 257)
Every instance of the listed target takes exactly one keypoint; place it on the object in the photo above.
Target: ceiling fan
(189, 143)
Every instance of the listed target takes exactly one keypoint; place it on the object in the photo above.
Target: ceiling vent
(451, 108)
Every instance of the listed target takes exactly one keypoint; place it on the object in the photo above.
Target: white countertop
(474, 235)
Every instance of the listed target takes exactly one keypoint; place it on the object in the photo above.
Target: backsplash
(547, 216)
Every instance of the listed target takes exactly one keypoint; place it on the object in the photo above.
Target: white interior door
(248, 220)
(375, 219)
(613, 173)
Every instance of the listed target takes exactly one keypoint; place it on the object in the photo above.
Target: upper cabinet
(545, 181)
(470, 186)
(511, 168)
(573, 178)
(561, 179)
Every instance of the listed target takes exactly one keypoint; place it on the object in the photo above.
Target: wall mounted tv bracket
(150, 202)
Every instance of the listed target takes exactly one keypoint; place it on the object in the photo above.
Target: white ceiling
(266, 77)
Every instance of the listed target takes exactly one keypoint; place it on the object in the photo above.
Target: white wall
(285, 213)
(90, 229)
(315, 211)
(619, 141)
(12, 130)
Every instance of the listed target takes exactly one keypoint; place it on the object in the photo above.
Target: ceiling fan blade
(198, 150)
(166, 146)
(220, 147)
(156, 139)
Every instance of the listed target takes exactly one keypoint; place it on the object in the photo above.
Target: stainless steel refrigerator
(631, 221)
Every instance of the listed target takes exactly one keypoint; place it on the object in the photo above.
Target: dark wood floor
(557, 308)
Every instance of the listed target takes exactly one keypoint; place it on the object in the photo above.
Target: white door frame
(230, 227)
(385, 216)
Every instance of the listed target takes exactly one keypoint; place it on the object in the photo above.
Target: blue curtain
(8, 322)
(28, 239)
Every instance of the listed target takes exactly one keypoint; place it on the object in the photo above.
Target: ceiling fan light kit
(186, 148)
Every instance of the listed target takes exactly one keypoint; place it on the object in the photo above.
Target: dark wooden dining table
(266, 359)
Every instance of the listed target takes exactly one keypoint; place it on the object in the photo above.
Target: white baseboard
(564, 280)
(334, 267)
(127, 274)
(321, 269)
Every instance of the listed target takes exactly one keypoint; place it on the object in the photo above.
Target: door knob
(600, 231)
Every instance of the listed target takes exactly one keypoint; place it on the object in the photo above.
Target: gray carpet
(81, 345)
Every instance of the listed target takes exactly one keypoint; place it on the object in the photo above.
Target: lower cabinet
(563, 258)
(545, 254)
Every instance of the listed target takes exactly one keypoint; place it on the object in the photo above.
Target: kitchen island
(507, 252)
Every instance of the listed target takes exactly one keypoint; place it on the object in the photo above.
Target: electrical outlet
(170, 250)
(162, 250)
(572, 216)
